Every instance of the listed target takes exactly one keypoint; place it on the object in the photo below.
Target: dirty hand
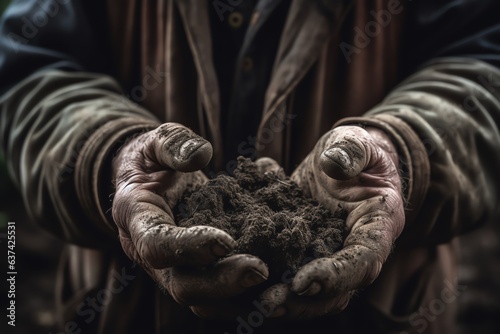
(356, 169)
(150, 173)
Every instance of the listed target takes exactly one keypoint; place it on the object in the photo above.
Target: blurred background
(37, 255)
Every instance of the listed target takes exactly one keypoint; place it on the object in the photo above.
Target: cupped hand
(356, 169)
(150, 173)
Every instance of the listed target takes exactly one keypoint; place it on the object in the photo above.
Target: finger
(232, 310)
(275, 297)
(349, 269)
(356, 265)
(266, 165)
(157, 240)
(288, 305)
(177, 147)
(223, 310)
(265, 305)
(347, 152)
(227, 278)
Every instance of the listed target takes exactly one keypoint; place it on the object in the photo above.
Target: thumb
(177, 147)
(347, 152)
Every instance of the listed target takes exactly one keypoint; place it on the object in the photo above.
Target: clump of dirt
(268, 215)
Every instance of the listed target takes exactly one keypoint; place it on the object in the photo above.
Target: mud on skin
(268, 215)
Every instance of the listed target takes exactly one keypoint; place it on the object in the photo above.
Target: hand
(358, 170)
(151, 172)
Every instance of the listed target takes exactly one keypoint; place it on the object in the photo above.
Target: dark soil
(268, 215)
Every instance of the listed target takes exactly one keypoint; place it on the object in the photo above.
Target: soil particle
(267, 214)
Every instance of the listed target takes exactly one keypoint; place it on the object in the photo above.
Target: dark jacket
(427, 72)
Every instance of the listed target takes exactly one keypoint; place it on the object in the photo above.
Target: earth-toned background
(37, 255)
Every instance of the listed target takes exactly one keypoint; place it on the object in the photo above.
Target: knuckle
(147, 246)
(118, 211)
(129, 248)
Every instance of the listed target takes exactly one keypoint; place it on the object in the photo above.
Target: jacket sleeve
(445, 117)
(61, 116)
(445, 121)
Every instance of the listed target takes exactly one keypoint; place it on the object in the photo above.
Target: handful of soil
(268, 216)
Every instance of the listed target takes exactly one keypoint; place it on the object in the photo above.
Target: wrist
(94, 169)
(123, 152)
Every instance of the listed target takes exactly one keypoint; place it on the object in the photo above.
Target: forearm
(58, 132)
(452, 107)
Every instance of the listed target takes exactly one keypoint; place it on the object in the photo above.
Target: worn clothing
(426, 72)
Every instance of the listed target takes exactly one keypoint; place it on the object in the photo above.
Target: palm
(151, 172)
(349, 168)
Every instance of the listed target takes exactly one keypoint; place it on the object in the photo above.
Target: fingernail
(313, 289)
(337, 163)
(339, 156)
(252, 277)
(279, 312)
(189, 147)
(219, 249)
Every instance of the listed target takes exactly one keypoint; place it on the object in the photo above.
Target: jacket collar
(309, 26)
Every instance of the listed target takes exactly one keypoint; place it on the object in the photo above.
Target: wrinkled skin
(350, 166)
(357, 169)
(151, 172)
